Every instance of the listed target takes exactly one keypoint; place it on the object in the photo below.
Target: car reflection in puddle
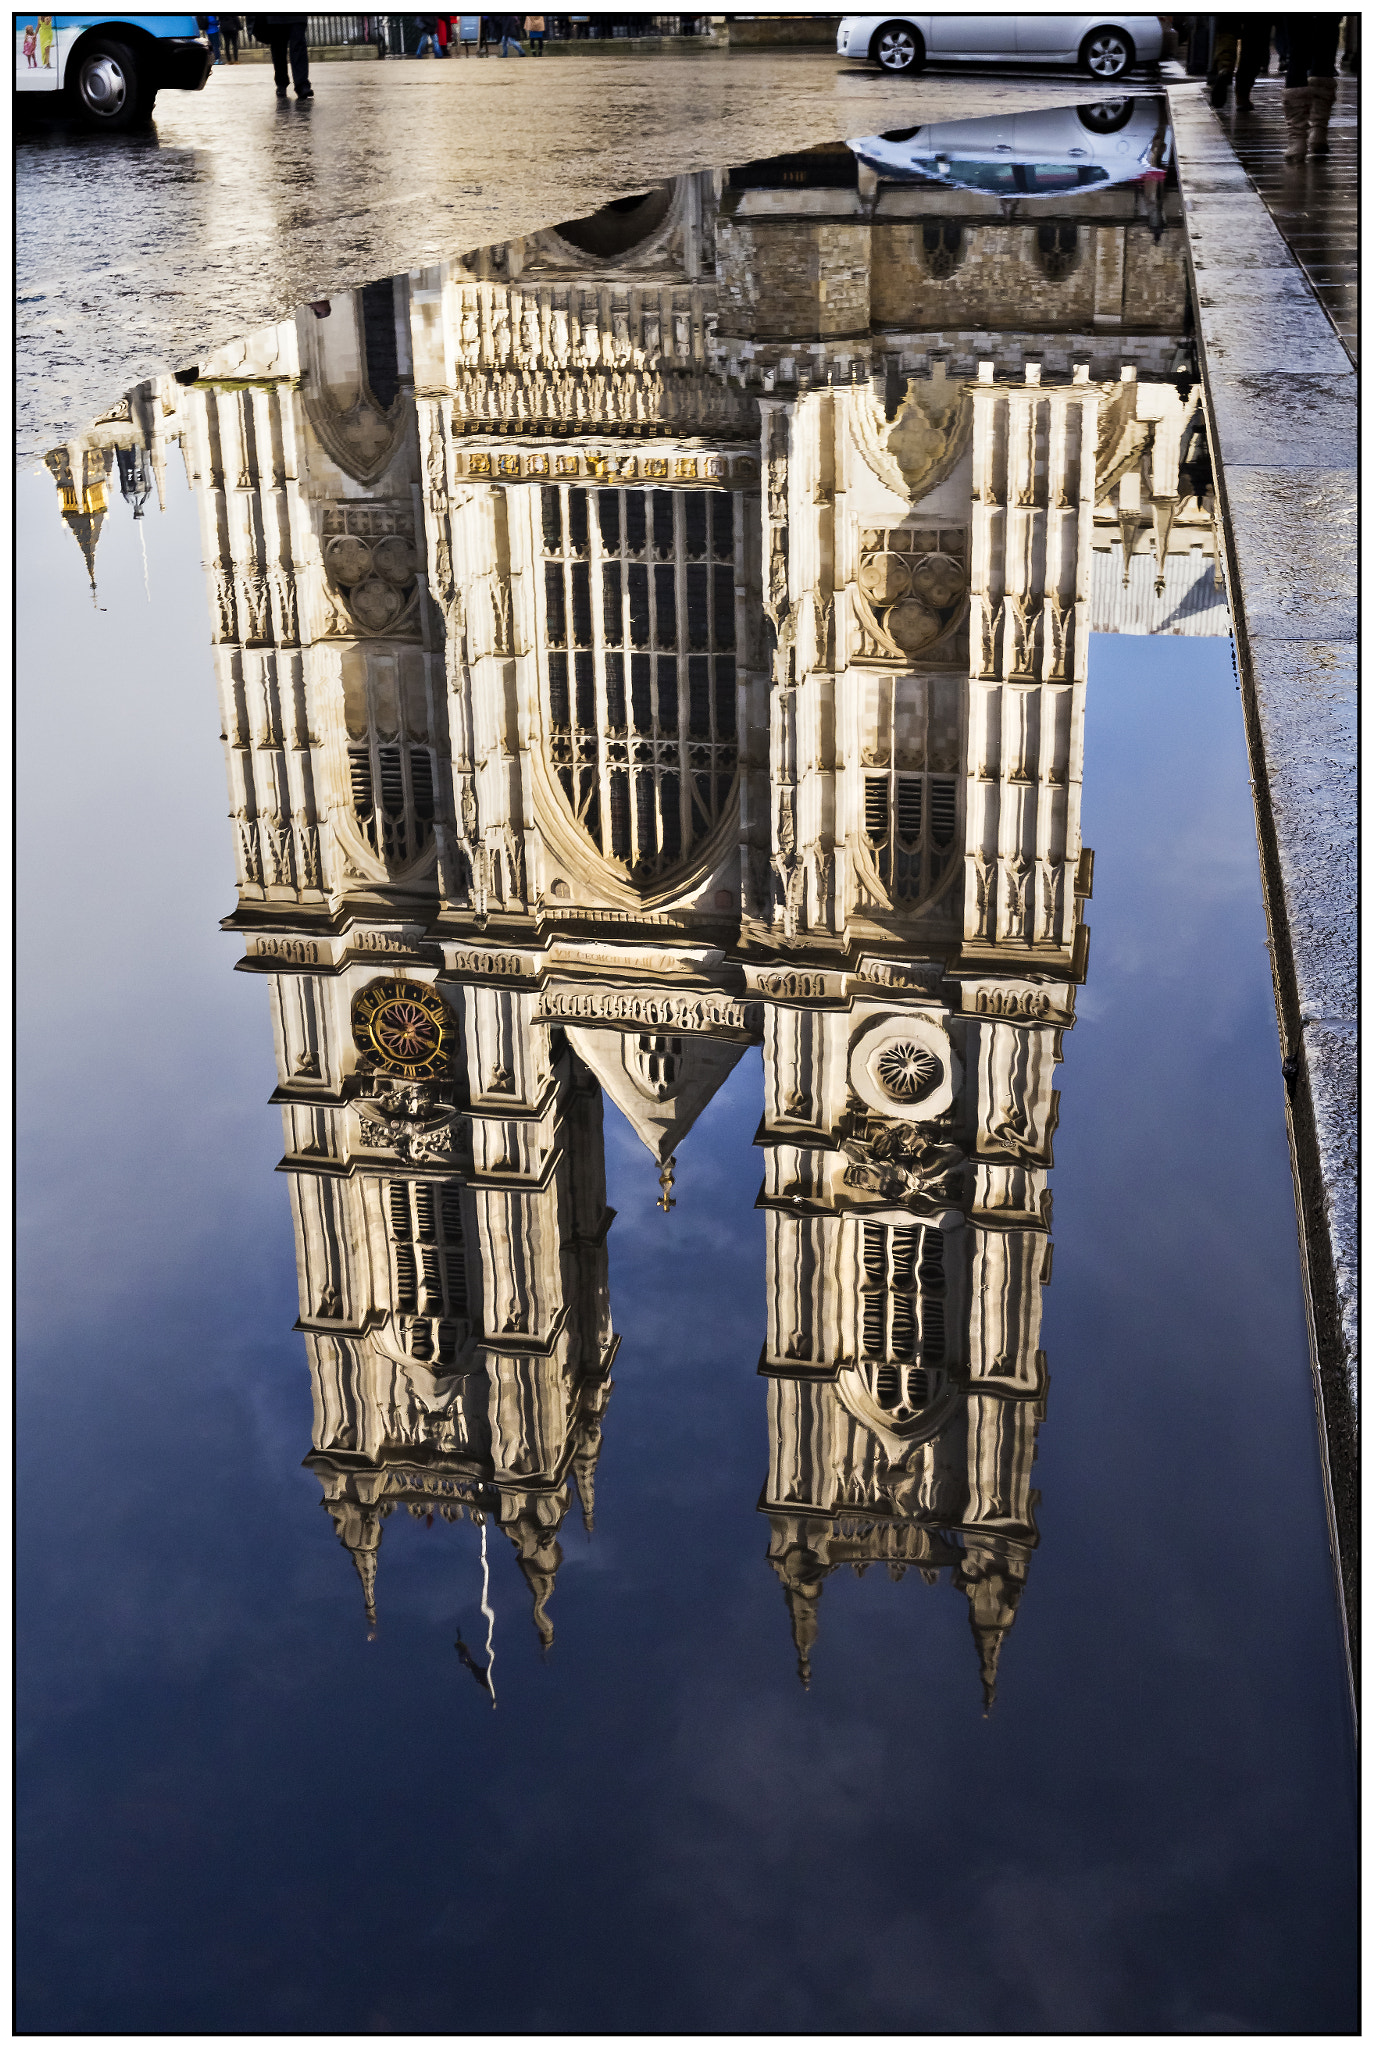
(1045, 153)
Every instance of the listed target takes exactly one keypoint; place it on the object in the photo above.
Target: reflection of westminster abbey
(646, 640)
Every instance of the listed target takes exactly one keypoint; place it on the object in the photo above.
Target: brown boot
(1296, 108)
(1322, 91)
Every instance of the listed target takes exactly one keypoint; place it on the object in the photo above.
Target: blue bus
(110, 67)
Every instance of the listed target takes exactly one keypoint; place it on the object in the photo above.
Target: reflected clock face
(403, 1028)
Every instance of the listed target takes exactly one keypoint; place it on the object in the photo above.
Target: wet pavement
(136, 253)
(1315, 204)
(682, 1347)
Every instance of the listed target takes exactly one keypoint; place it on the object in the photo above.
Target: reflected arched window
(943, 247)
(1056, 247)
(657, 1062)
(638, 628)
(378, 310)
(615, 229)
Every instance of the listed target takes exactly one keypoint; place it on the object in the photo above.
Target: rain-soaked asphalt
(135, 252)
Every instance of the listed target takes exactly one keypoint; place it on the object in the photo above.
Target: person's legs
(1222, 60)
(300, 60)
(1310, 84)
(1322, 91)
(1255, 37)
(277, 44)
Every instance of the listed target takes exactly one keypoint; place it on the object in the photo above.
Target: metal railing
(333, 31)
(398, 34)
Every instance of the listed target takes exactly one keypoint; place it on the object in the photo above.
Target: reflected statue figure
(658, 636)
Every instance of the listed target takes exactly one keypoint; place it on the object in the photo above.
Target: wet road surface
(135, 252)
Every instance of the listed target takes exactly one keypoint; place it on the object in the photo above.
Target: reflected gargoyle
(411, 1120)
(901, 1162)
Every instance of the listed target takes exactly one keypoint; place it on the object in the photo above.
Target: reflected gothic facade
(664, 635)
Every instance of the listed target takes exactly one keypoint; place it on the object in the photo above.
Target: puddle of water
(652, 660)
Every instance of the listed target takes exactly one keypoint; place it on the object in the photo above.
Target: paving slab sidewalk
(1281, 399)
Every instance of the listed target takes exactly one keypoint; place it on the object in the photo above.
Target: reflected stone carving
(898, 1162)
(905, 1068)
(931, 430)
(364, 440)
(912, 592)
(369, 559)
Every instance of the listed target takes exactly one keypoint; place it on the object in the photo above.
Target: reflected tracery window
(1056, 248)
(639, 619)
(942, 241)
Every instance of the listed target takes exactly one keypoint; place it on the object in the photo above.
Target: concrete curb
(1281, 401)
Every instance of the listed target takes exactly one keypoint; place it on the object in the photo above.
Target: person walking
(534, 29)
(510, 35)
(284, 35)
(1240, 51)
(429, 34)
(212, 36)
(1309, 84)
(231, 27)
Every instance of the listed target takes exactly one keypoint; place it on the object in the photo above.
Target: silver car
(1104, 46)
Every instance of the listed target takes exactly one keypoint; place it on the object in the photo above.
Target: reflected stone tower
(658, 636)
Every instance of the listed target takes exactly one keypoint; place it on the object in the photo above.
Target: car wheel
(1106, 117)
(108, 87)
(898, 47)
(1106, 53)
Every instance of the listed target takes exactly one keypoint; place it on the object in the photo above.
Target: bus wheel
(108, 87)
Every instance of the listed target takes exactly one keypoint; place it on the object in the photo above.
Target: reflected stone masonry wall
(663, 635)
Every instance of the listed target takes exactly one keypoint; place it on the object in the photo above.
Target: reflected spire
(584, 1474)
(358, 1529)
(989, 1641)
(803, 1605)
(365, 1562)
(83, 498)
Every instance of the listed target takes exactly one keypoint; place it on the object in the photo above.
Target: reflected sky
(238, 1812)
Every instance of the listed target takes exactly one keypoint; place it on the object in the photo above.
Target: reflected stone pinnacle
(989, 1641)
(802, 1605)
(366, 1563)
